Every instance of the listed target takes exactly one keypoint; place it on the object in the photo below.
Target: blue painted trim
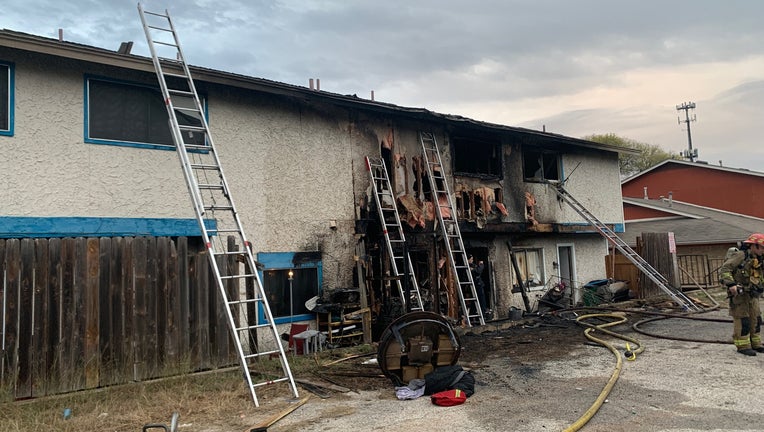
(283, 261)
(11, 99)
(86, 123)
(43, 227)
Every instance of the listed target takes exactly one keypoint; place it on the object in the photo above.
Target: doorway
(566, 269)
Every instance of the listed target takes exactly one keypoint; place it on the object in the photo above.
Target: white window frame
(533, 279)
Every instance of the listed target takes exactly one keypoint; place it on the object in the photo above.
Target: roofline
(71, 50)
(640, 202)
(694, 164)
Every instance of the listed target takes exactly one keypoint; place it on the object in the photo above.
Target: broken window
(531, 265)
(6, 99)
(540, 165)
(481, 157)
(131, 114)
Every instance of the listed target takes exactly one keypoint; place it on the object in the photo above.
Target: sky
(572, 67)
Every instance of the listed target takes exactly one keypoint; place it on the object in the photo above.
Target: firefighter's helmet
(755, 238)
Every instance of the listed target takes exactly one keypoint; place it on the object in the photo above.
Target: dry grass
(208, 402)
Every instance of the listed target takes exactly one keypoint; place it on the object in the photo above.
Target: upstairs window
(130, 114)
(540, 166)
(476, 157)
(6, 99)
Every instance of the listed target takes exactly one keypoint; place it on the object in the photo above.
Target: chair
(297, 346)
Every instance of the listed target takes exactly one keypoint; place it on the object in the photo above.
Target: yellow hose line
(618, 319)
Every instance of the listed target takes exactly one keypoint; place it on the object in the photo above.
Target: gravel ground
(545, 377)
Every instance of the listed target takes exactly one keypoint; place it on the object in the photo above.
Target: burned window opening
(477, 157)
(479, 203)
(540, 166)
(387, 155)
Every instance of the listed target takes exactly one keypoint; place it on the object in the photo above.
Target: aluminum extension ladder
(452, 236)
(243, 294)
(393, 231)
(659, 280)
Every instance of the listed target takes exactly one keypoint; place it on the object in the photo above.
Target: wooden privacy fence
(81, 313)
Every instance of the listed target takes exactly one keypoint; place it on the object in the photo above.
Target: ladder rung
(260, 384)
(165, 43)
(213, 207)
(226, 230)
(192, 110)
(258, 354)
(185, 93)
(245, 301)
(211, 186)
(170, 60)
(198, 147)
(205, 166)
(252, 327)
(174, 75)
(158, 28)
(241, 276)
(237, 252)
(192, 128)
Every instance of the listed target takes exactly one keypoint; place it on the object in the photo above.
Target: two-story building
(88, 154)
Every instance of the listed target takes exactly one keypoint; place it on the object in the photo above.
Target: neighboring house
(87, 154)
(722, 201)
(718, 187)
(702, 235)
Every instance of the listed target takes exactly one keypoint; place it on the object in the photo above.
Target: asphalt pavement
(671, 386)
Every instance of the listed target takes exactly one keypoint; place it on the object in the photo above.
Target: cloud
(577, 67)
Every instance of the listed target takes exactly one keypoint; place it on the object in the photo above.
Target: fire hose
(617, 318)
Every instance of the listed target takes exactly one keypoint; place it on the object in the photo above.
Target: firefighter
(741, 273)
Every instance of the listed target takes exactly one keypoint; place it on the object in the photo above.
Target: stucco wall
(592, 178)
(50, 171)
(589, 253)
(288, 167)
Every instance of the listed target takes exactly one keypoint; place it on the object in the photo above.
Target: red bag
(449, 397)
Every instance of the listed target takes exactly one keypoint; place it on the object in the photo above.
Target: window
(531, 265)
(6, 99)
(122, 113)
(477, 157)
(286, 297)
(539, 166)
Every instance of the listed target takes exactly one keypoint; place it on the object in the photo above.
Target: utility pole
(686, 107)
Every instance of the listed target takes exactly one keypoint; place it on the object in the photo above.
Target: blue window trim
(86, 103)
(285, 261)
(11, 98)
(45, 227)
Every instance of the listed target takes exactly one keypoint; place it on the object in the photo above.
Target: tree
(649, 154)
